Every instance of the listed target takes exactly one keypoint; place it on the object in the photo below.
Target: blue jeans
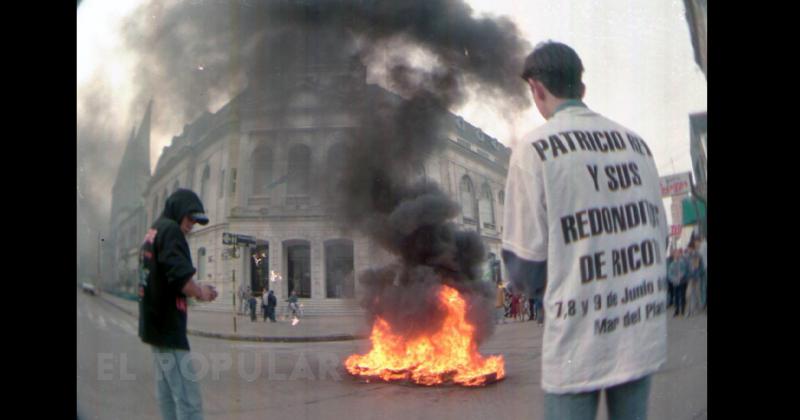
(680, 299)
(626, 401)
(177, 387)
(694, 296)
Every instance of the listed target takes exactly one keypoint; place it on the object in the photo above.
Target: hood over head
(184, 202)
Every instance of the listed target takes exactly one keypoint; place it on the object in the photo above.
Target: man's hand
(207, 293)
(203, 293)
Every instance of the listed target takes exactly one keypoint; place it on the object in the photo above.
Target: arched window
(261, 162)
(221, 189)
(418, 175)
(339, 275)
(336, 156)
(204, 181)
(156, 210)
(334, 170)
(201, 264)
(467, 200)
(299, 170)
(486, 207)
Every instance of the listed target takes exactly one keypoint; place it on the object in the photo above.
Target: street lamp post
(99, 255)
(233, 289)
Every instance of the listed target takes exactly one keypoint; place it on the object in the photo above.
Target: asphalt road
(246, 380)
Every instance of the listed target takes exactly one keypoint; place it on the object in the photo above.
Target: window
(480, 135)
(221, 190)
(467, 200)
(259, 268)
(261, 163)
(299, 168)
(204, 186)
(233, 180)
(486, 207)
(334, 171)
(418, 175)
(201, 264)
(336, 155)
(339, 276)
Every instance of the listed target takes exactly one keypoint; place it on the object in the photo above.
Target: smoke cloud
(194, 55)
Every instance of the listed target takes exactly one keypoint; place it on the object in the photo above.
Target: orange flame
(450, 354)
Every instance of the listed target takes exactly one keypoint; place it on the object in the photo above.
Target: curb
(120, 307)
(255, 338)
(304, 339)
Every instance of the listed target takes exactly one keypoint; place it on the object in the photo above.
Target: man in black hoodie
(165, 281)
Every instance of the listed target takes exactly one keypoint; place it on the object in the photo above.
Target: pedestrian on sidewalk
(694, 275)
(272, 302)
(702, 249)
(670, 287)
(565, 175)
(294, 308)
(525, 307)
(676, 275)
(251, 301)
(165, 281)
(242, 292)
(538, 310)
(532, 305)
(507, 295)
(500, 307)
(264, 304)
(514, 306)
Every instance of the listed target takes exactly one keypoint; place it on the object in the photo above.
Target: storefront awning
(690, 209)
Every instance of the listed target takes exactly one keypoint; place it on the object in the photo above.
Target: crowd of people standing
(250, 302)
(518, 306)
(687, 279)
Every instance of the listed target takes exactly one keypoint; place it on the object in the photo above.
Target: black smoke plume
(192, 51)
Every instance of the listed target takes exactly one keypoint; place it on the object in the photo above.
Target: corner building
(254, 163)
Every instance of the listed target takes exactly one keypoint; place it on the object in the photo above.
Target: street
(249, 380)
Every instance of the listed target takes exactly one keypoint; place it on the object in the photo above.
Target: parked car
(88, 288)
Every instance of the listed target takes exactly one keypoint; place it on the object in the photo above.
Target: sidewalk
(220, 325)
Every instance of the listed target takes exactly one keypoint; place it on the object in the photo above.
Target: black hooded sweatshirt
(165, 266)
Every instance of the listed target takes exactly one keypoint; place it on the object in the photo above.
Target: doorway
(299, 269)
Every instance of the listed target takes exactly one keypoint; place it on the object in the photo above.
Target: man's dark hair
(558, 67)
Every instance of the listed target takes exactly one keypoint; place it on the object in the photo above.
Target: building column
(276, 260)
(360, 261)
(317, 268)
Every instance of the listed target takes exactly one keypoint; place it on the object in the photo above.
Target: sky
(638, 60)
(639, 68)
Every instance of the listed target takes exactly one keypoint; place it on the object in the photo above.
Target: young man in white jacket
(584, 216)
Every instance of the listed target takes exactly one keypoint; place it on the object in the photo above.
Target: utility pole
(99, 253)
(234, 299)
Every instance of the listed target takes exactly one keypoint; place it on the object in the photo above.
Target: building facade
(699, 153)
(697, 18)
(257, 164)
(128, 216)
